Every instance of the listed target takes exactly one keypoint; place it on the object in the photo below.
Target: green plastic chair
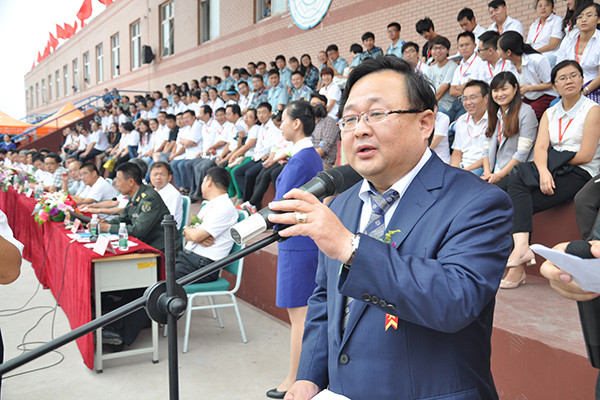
(220, 287)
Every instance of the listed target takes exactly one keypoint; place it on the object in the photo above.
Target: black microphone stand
(165, 302)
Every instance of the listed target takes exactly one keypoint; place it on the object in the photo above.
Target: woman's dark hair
(584, 7)
(146, 124)
(185, 87)
(511, 119)
(549, 1)
(320, 111)
(513, 41)
(418, 89)
(128, 126)
(302, 110)
(305, 70)
(569, 19)
(356, 48)
(562, 65)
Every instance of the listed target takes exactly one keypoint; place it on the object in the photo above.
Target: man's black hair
(131, 171)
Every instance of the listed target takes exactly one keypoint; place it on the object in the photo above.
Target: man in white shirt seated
(502, 21)
(72, 182)
(491, 63)
(466, 20)
(160, 178)
(465, 71)
(210, 241)
(469, 130)
(40, 174)
(97, 144)
(97, 188)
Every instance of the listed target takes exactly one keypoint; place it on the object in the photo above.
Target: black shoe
(111, 336)
(276, 394)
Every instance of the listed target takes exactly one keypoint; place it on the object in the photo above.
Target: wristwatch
(355, 242)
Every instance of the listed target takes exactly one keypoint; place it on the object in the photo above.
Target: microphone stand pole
(160, 307)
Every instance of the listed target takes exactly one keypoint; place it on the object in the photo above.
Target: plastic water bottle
(123, 237)
(94, 228)
(39, 191)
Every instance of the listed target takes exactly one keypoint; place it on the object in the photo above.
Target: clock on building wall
(308, 13)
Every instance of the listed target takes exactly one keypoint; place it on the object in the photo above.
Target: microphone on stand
(323, 185)
(589, 311)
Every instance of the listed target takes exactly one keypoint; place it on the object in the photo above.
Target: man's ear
(426, 122)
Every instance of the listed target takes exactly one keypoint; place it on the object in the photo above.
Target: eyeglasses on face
(565, 78)
(371, 117)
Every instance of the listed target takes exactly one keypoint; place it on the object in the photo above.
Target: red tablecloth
(67, 269)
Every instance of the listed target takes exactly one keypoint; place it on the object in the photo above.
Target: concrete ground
(217, 366)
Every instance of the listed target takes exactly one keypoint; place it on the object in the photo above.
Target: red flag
(33, 65)
(85, 11)
(46, 51)
(70, 30)
(61, 33)
(39, 57)
(106, 2)
(53, 42)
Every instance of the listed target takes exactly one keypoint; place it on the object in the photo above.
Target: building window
(209, 20)
(57, 79)
(37, 94)
(99, 64)
(50, 87)
(66, 80)
(115, 55)
(167, 28)
(86, 69)
(31, 95)
(44, 98)
(75, 75)
(266, 8)
(136, 45)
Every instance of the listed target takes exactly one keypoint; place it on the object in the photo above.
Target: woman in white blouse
(533, 71)
(546, 31)
(583, 46)
(566, 156)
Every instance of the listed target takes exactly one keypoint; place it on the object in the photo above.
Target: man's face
(497, 15)
(439, 52)
(231, 117)
(428, 35)
(153, 125)
(263, 114)
(179, 121)
(226, 72)
(204, 97)
(168, 89)
(410, 54)
(274, 79)
(262, 68)
(188, 119)
(244, 89)
(384, 152)
(171, 124)
(257, 83)
(333, 55)
(123, 185)
(251, 69)
(176, 98)
(393, 33)
(212, 94)
(161, 118)
(485, 53)
(280, 64)
(473, 102)
(466, 47)
(86, 176)
(51, 164)
(369, 43)
(159, 177)
(297, 80)
(39, 164)
(467, 25)
(220, 117)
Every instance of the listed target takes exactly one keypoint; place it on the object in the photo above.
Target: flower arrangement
(53, 207)
(10, 176)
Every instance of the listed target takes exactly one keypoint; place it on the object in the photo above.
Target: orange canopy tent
(66, 115)
(12, 126)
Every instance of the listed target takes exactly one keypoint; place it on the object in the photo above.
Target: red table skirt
(62, 266)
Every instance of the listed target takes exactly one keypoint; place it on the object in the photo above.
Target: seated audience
(466, 70)
(502, 21)
(441, 73)
(410, 52)
(96, 187)
(277, 95)
(566, 157)
(299, 90)
(368, 40)
(309, 71)
(52, 162)
(242, 154)
(7, 143)
(511, 133)
(331, 91)
(160, 179)
(334, 61)
(468, 23)
(285, 74)
(395, 48)
(438, 141)
(470, 128)
(326, 134)
(546, 31)
(492, 63)
(357, 50)
(426, 29)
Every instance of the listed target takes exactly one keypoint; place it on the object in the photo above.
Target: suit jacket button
(390, 306)
(374, 299)
(366, 297)
(383, 303)
(344, 359)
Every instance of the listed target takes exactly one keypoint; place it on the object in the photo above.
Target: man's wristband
(355, 242)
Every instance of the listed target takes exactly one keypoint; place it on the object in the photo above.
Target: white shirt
(252, 134)
(174, 202)
(101, 191)
(145, 144)
(469, 137)
(478, 31)
(535, 69)
(589, 60)
(216, 104)
(486, 71)
(83, 142)
(466, 70)
(332, 92)
(572, 123)
(400, 186)
(243, 102)
(209, 130)
(195, 135)
(7, 233)
(301, 144)
(100, 139)
(218, 215)
(541, 33)
(267, 137)
(510, 24)
(442, 123)
(179, 108)
(422, 67)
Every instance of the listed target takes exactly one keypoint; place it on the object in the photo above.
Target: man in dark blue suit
(411, 257)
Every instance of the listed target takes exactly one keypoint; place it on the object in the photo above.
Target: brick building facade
(231, 37)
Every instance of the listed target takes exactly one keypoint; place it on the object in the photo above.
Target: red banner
(60, 32)
(85, 11)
